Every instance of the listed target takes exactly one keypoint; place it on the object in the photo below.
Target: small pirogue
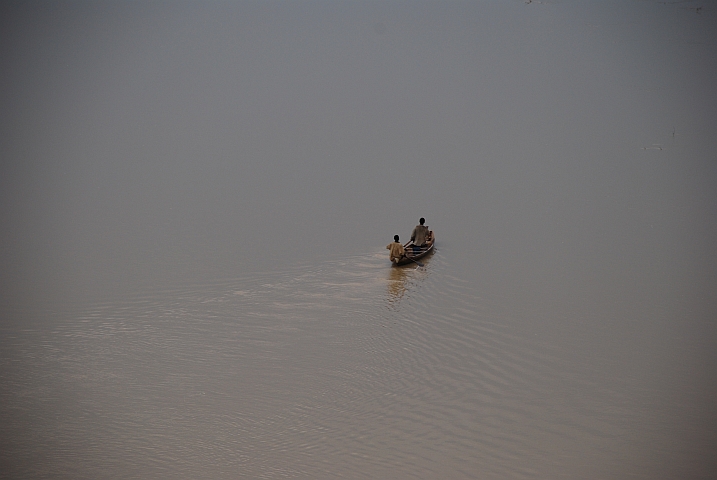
(425, 250)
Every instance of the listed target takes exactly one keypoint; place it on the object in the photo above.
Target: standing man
(396, 250)
(419, 236)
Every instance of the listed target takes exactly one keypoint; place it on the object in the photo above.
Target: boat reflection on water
(402, 279)
(397, 279)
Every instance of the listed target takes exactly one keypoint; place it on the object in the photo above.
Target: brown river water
(196, 198)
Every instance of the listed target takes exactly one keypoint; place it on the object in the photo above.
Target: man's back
(420, 234)
(396, 250)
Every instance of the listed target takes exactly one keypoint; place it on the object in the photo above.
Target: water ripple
(346, 368)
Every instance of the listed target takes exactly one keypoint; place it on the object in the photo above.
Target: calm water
(350, 368)
(195, 200)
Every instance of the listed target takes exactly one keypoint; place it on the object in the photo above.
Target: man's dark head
(395, 238)
(422, 220)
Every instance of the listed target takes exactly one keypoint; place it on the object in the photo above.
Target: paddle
(414, 261)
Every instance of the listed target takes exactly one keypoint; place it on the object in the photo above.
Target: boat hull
(409, 259)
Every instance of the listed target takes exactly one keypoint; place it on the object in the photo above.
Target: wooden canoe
(425, 250)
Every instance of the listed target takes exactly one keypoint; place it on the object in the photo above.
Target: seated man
(396, 250)
(419, 236)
